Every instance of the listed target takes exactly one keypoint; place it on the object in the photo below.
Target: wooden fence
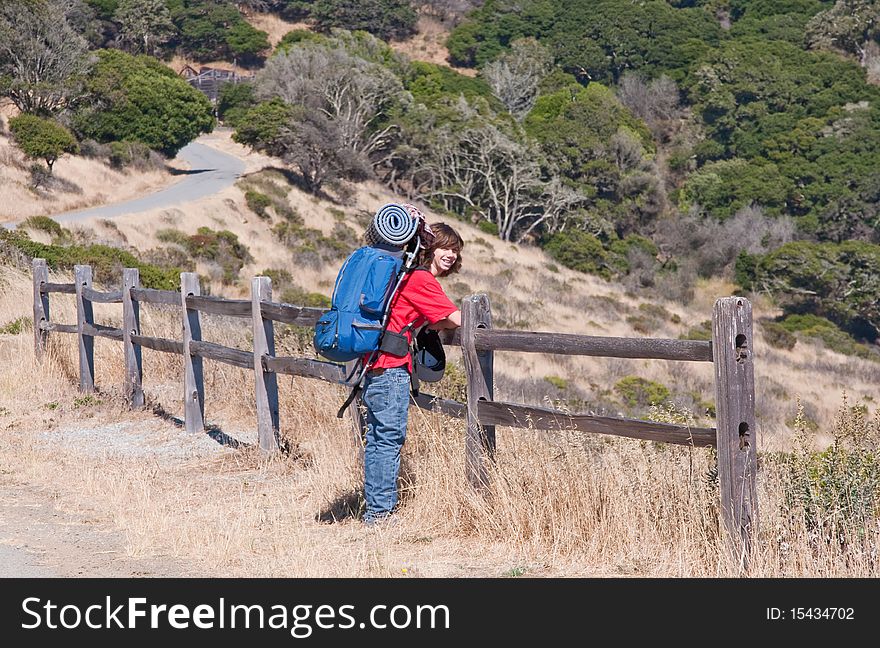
(730, 351)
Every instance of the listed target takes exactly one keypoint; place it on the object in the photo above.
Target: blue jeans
(386, 397)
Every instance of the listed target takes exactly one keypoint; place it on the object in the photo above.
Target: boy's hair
(443, 237)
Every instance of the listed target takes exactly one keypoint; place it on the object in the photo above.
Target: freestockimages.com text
(300, 620)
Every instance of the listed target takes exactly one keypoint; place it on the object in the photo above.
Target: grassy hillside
(77, 182)
(563, 504)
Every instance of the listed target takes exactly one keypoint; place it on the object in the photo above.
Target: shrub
(777, 336)
(560, 383)
(43, 224)
(641, 323)
(279, 277)
(831, 336)
(107, 262)
(234, 101)
(836, 491)
(258, 203)
(130, 154)
(16, 326)
(640, 392)
(488, 227)
(171, 235)
(300, 297)
(222, 247)
(701, 332)
(580, 251)
(42, 139)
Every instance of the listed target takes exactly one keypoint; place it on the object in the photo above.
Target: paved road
(210, 171)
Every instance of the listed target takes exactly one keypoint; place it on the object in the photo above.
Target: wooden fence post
(41, 307)
(480, 441)
(131, 325)
(265, 382)
(736, 435)
(193, 377)
(84, 315)
(357, 418)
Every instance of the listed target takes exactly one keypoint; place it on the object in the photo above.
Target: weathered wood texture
(450, 337)
(84, 316)
(67, 288)
(98, 330)
(41, 307)
(131, 326)
(114, 297)
(218, 306)
(220, 353)
(158, 344)
(589, 345)
(735, 416)
(358, 412)
(540, 418)
(306, 367)
(442, 405)
(60, 328)
(193, 376)
(152, 296)
(289, 314)
(265, 382)
(479, 367)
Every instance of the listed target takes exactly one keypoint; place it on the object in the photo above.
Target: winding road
(209, 171)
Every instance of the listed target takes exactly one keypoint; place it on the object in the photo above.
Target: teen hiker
(386, 392)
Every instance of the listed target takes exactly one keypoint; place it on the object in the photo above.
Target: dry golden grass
(429, 44)
(562, 504)
(91, 183)
(273, 25)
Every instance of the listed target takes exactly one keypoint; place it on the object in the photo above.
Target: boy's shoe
(378, 519)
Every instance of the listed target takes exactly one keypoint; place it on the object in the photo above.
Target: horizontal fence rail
(218, 306)
(97, 330)
(102, 297)
(158, 344)
(730, 351)
(58, 328)
(290, 314)
(152, 296)
(589, 345)
(306, 368)
(221, 353)
(539, 418)
(70, 289)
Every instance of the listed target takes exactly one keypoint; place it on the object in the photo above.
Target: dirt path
(38, 540)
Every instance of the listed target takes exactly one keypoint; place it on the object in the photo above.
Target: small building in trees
(210, 80)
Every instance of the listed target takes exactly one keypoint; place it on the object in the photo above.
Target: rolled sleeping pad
(393, 224)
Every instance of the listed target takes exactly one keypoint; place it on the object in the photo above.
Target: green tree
(838, 281)
(234, 101)
(849, 26)
(387, 19)
(212, 29)
(599, 148)
(42, 139)
(43, 60)
(145, 25)
(136, 98)
(594, 39)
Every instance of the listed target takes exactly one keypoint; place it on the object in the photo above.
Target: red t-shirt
(421, 300)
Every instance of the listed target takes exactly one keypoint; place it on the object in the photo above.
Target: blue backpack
(356, 321)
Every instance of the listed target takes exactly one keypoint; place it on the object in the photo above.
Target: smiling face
(443, 260)
(442, 256)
